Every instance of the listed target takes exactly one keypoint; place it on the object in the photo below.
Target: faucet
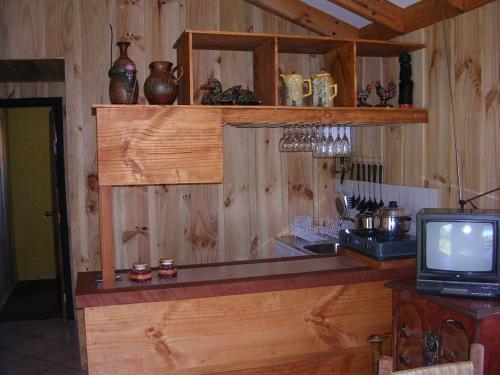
(344, 219)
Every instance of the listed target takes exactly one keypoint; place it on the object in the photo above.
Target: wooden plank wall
(263, 189)
(424, 155)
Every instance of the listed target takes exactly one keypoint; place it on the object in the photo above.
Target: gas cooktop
(380, 246)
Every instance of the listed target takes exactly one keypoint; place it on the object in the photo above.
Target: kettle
(294, 89)
(324, 89)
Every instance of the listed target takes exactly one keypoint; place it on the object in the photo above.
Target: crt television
(458, 252)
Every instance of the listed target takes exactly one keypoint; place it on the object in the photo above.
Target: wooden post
(107, 239)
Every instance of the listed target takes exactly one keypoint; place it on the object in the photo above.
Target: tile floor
(45, 347)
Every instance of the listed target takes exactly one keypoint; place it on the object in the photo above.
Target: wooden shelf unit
(182, 144)
(339, 55)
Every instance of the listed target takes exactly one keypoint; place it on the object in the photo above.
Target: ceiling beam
(381, 12)
(422, 14)
(428, 12)
(308, 17)
(459, 4)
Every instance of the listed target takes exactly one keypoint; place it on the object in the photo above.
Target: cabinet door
(408, 337)
(454, 345)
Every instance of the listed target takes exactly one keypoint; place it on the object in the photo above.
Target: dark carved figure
(405, 84)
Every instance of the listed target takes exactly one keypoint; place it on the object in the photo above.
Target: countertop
(208, 280)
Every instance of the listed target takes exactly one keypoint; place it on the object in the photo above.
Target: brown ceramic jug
(123, 84)
(161, 87)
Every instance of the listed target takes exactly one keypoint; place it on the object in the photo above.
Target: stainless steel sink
(323, 248)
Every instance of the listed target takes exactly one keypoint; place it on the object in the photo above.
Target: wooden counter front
(298, 315)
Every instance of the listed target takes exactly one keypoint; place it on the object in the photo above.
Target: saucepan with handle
(393, 220)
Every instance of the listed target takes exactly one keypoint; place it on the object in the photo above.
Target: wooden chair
(472, 367)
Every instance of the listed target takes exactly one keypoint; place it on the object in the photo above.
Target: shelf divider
(265, 72)
(341, 64)
(185, 59)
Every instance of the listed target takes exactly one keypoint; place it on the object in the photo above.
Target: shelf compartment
(339, 55)
(264, 55)
(149, 145)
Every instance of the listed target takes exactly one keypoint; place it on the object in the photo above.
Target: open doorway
(34, 215)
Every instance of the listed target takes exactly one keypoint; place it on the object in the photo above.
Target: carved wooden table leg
(376, 341)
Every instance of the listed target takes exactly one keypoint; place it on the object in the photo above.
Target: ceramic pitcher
(162, 86)
(324, 89)
(294, 89)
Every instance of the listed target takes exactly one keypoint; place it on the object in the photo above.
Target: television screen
(459, 246)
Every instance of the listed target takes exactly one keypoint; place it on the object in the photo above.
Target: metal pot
(367, 221)
(393, 220)
(395, 224)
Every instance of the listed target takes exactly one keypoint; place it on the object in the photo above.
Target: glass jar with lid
(140, 272)
(167, 268)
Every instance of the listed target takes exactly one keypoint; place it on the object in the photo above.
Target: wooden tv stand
(429, 329)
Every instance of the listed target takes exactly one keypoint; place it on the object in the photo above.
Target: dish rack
(315, 230)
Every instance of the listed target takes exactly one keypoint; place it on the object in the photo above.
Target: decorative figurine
(363, 94)
(405, 99)
(233, 95)
(385, 94)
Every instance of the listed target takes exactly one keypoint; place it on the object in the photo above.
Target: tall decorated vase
(123, 84)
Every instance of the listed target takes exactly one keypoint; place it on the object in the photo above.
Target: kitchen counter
(309, 314)
(209, 280)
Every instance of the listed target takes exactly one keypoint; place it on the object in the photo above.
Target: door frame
(56, 104)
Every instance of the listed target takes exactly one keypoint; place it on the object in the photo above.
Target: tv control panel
(463, 290)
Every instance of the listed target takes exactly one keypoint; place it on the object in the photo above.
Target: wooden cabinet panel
(453, 342)
(409, 336)
(151, 145)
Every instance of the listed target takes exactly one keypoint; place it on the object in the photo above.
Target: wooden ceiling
(387, 19)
